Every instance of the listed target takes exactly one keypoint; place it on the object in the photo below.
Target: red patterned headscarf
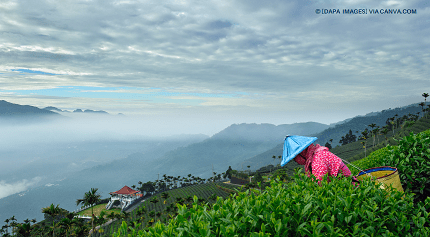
(308, 155)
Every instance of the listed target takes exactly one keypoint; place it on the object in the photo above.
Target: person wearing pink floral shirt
(318, 160)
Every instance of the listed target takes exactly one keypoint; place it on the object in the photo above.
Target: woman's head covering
(300, 158)
(293, 145)
(309, 155)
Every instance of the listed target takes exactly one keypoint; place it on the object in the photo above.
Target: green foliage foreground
(301, 208)
(412, 159)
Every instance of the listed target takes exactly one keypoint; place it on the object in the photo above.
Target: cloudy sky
(214, 63)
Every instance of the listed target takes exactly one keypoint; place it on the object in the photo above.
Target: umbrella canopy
(293, 145)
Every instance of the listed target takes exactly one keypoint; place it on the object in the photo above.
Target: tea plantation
(303, 208)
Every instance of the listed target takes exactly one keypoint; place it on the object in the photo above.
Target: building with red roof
(125, 195)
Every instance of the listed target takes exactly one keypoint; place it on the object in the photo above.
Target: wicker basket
(385, 175)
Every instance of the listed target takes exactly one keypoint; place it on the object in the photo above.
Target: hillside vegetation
(303, 208)
(299, 207)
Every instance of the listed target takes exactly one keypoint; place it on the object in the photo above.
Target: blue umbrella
(293, 145)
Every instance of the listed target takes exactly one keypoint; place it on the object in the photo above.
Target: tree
(90, 198)
(23, 230)
(228, 172)
(148, 187)
(258, 178)
(165, 196)
(425, 95)
(67, 223)
(385, 131)
(274, 158)
(364, 146)
(376, 133)
(373, 134)
(53, 212)
(328, 145)
(81, 230)
(422, 104)
(348, 138)
(154, 200)
(392, 123)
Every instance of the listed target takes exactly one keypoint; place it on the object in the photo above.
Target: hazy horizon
(210, 64)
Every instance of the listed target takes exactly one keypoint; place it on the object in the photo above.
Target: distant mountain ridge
(11, 109)
(335, 132)
(267, 132)
(52, 108)
(359, 123)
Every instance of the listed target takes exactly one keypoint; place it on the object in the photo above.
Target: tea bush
(412, 159)
(282, 174)
(375, 159)
(300, 208)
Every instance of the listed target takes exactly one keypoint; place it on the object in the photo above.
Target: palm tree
(165, 196)
(422, 107)
(364, 146)
(376, 133)
(141, 212)
(90, 198)
(372, 126)
(385, 131)
(53, 212)
(154, 200)
(13, 223)
(428, 109)
(213, 177)
(218, 176)
(81, 230)
(425, 95)
(392, 123)
(23, 229)
(67, 223)
(280, 159)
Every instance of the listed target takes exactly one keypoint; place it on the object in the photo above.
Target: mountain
(359, 123)
(335, 132)
(267, 132)
(98, 112)
(8, 109)
(230, 146)
(15, 114)
(50, 108)
(90, 111)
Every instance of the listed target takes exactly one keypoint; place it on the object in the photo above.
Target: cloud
(7, 189)
(260, 48)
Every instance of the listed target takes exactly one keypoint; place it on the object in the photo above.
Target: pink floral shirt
(322, 162)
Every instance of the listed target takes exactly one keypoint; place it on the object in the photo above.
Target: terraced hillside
(165, 208)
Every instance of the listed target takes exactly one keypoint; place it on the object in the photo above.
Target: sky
(203, 65)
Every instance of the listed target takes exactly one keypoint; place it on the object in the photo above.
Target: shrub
(375, 159)
(240, 175)
(412, 159)
(257, 178)
(281, 174)
(300, 208)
